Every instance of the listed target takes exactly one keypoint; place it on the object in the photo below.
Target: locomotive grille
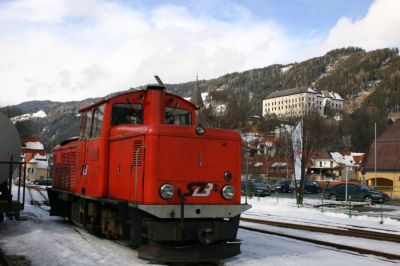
(67, 170)
(137, 152)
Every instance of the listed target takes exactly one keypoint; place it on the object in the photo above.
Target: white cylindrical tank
(10, 145)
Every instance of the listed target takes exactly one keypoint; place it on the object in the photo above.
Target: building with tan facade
(300, 101)
(382, 166)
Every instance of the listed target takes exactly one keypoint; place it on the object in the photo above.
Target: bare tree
(316, 132)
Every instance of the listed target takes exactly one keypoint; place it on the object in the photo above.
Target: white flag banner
(297, 140)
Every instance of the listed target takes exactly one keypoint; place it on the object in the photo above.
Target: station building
(297, 102)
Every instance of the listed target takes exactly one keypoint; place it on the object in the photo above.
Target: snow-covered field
(45, 240)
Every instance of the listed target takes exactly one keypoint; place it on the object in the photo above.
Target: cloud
(71, 50)
(379, 28)
(65, 50)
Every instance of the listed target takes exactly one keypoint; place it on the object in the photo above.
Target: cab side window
(97, 124)
(126, 114)
(177, 116)
(88, 123)
(82, 126)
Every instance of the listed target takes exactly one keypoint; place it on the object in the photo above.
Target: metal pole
(19, 180)
(322, 204)
(247, 174)
(23, 191)
(375, 156)
(346, 182)
(349, 207)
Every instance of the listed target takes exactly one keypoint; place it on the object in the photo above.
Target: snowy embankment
(284, 209)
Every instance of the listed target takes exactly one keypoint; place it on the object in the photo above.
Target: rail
(327, 243)
(343, 231)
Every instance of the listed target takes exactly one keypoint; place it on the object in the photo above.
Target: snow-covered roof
(337, 96)
(311, 90)
(279, 164)
(40, 164)
(40, 157)
(347, 160)
(332, 95)
(34, 145)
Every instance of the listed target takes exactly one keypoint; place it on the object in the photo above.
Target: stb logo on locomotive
(200, 189)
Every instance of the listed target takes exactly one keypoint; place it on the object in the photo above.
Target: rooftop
(387, 147)
(287, 92)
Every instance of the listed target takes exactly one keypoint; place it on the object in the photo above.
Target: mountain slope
(363, 79)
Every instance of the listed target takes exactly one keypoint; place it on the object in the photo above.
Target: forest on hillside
(348, 71)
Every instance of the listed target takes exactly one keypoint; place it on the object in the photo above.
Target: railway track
(35, 202)
(343, 231)
(340, 231)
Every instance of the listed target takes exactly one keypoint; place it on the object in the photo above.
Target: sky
(72, 50)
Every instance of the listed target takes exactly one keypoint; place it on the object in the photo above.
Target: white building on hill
(300, 101)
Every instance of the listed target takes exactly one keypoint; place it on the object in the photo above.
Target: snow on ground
(285, 209)
(260, 249)
(382, 246)
(285, 69)
(46, 240)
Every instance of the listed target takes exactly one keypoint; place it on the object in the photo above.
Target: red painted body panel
(130, 162)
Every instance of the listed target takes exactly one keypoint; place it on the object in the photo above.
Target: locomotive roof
(114, 95)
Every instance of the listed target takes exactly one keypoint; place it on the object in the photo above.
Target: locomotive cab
(142, 170)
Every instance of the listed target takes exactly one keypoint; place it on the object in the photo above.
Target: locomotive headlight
(200, 129)
(228, 192)
(167, 191)
(227, 176)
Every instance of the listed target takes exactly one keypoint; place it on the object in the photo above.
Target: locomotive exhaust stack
(153, 177)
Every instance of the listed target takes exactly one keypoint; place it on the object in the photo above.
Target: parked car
(255, 188)
(310, 186)
(357, 192)
(263, 184)
(284, 185)
(44, 182)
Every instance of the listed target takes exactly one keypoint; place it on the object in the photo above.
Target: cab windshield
(126, 114)
(177, 116)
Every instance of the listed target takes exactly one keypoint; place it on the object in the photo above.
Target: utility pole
(375, 156)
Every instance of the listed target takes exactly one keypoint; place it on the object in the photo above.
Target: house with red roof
(382, 165)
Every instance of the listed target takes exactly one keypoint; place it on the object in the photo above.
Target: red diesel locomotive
(144, 172)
